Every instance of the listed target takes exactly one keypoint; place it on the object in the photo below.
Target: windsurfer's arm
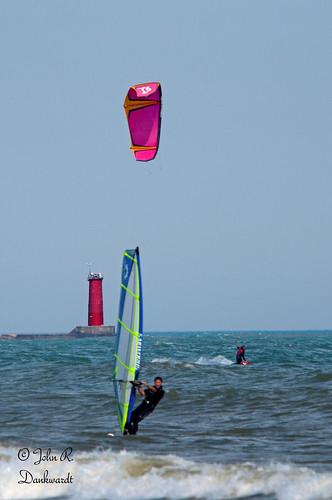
(139, 386)
(150, 387)
(140, 391)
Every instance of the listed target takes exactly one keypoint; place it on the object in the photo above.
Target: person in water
(240, 354)
(153, 394)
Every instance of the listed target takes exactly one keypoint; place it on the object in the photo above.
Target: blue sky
(233, 218)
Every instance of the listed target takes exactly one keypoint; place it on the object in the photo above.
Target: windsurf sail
(143, 109)
(129, 336)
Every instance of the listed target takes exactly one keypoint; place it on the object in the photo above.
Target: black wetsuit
(151, 400)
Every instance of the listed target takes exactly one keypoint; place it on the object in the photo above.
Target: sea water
(222, 431)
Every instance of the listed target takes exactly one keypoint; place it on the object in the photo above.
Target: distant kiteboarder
(240, 354)
(153, 394)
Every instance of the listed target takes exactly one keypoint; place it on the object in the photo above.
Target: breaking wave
(216, 360)
(116, 475)
(172, 362)
(203, 360)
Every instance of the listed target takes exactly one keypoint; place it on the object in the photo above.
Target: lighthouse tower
(95, 311)
(96, 327)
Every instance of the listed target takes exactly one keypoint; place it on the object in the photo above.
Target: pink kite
(143, 108)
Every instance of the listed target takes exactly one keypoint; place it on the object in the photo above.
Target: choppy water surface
(222, 430)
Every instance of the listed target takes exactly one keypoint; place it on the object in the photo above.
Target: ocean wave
(172, 362)
(162, 360)
(105, 474)
(216, 360)
(202, 360)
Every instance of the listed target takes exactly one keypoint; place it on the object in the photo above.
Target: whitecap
(161, 360)
(117, 475)
(173, 362)
(216, 360)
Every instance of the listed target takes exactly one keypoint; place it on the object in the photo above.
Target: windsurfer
(240, 354)
(153, 394)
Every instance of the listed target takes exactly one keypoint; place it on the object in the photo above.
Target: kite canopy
(143, 107)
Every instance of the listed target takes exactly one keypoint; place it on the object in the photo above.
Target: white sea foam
(216, 360)
(172, 362)
(106, 474)
(161, 360)
(203, 360)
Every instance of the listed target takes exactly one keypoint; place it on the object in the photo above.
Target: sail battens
(129, 336)
(135, 334)
(130, 257)
(124, 364)
(136, 297)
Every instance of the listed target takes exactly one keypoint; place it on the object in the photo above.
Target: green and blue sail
(129, 336)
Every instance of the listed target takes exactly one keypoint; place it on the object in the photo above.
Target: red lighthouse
(96, 326)
(95, 313)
